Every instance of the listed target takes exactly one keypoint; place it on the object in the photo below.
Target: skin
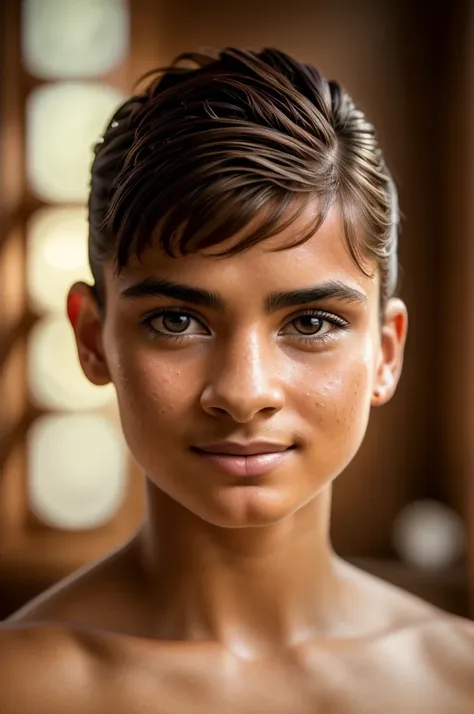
(230, 598)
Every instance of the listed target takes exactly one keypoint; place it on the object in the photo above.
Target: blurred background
(69, 491)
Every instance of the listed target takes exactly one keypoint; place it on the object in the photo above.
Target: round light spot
(74, 38)
(429, 535)
(64, 121)
(77, 471)
(56, 380)
(56, 256)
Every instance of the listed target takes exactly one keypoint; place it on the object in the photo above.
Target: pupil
(176, 323)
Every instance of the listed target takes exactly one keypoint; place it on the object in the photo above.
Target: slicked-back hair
(215, 138)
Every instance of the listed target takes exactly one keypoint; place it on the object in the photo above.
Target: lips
(235, 449)
(249, 460)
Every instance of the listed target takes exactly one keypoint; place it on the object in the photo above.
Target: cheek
(337, 398)
(155, 390)
(152, 396)
(150, 411)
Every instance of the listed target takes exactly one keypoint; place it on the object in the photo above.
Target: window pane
(64, 121)
(56, 256)
(56, 380)
(74, 38)
(77, 470)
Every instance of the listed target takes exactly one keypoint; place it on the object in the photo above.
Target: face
(215, 354)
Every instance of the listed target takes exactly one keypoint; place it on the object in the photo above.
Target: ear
(392, 348)
(84, 315)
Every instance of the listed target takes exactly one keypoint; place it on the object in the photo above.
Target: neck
(251, 589)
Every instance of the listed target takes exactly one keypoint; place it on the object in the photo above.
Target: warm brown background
(408, 65)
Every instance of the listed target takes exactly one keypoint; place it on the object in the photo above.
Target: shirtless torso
(90, 646)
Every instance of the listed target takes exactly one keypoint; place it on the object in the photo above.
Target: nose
(244, 381)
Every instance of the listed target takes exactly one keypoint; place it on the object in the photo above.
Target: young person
(243, 241)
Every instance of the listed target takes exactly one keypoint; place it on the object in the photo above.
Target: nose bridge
(247, 363)
(248, 360)
(245, 376)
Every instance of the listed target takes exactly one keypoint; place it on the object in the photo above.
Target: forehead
(261, 269)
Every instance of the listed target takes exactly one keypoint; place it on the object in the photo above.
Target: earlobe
(393, 339)
(385, 389)
(84, 316)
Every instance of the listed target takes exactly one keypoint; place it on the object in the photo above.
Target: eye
(310, 324)
(315, 324)
(169, 323)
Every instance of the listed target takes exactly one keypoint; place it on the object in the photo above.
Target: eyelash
(335, 320)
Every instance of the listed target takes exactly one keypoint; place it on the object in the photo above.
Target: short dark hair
(218, 136)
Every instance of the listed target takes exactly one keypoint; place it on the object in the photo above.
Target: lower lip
(252, 465)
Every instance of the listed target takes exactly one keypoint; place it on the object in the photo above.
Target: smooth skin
(230, 598)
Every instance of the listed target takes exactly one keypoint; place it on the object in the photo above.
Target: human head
(202, 149)
(247, 177)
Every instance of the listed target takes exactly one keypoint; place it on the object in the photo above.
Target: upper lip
(240, 449)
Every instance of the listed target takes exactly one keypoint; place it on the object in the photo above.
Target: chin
(248, 507)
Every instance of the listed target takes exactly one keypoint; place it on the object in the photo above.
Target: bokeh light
(77, 470)
(64, 121)
(56, 256)
(56, 380)
(74, 38)
(429, 535)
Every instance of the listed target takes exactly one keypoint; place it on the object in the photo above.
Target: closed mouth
(242, 451)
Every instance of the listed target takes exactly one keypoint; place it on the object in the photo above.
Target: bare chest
(336, 687)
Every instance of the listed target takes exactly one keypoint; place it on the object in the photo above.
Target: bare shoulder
(43, 668)
(442, 641)
(437, 646)
(103, 595)
(442, 651)
(449, 640)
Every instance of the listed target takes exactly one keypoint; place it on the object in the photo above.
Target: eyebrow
(160, 287)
